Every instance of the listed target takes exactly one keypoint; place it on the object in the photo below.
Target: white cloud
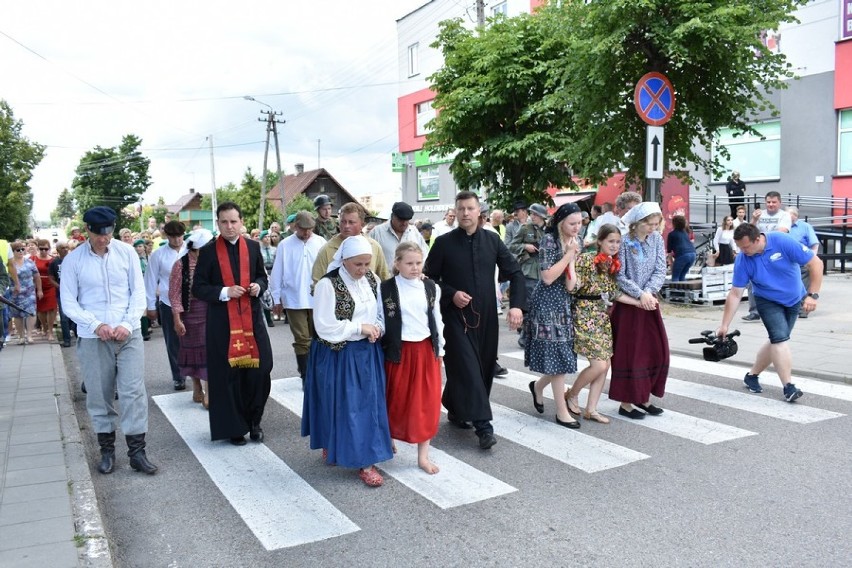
(150, 59)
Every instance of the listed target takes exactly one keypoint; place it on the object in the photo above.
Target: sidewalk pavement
(48, 508)
(820, 344)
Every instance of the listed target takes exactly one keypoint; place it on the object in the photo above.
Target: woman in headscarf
(549, 327)
(640, 361)
(190, 316)
(345, 412)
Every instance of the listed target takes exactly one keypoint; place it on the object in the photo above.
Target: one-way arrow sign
(654, 160)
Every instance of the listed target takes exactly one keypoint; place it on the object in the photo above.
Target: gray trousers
(110, 365)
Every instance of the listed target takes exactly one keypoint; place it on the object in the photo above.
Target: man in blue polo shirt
(771, 261)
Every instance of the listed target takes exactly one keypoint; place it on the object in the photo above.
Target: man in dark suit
(230, 277)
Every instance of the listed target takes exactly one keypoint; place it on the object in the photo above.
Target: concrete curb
(94, 550)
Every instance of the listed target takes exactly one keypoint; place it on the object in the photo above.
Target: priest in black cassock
(230, 277)
(462, 262)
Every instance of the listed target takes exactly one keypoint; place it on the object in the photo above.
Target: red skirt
(640, 360)
(414, 393)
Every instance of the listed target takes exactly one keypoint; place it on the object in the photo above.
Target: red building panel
(407, 119)
(843, 74)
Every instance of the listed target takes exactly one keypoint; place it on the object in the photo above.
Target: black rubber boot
(136, 452)
(302, 366)
(107, 443)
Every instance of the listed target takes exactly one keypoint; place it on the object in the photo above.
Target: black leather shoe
(238, 441)
(539, 406)
(486, 440)
(459, 423)
(573, 424)
(632, 413)
(651, 409)
(107, 443)
(83, 387)
(256, 434)
(180, 384)
(500, 370)
(136, 453)
(66, 344)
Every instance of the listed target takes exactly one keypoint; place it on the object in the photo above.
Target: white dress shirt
(326, 324)
(157, 274)
(104, 289)
(414, 311)
(290, 282)
(388, 239)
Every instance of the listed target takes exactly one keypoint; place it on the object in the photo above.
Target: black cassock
(462, 262)
(237, 395)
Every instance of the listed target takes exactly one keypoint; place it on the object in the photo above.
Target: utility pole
(480, 13)
(213, 204)
(271, 128)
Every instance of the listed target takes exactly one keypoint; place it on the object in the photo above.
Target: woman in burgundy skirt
(640, 362)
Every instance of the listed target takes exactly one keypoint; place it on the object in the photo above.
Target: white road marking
(571, 447)
(670, 422)
(456, 484)
(767, 378)
(774, 408)
(280, 508)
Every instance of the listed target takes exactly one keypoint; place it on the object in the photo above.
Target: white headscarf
(351, 246)
(640, 211)
(198, 238)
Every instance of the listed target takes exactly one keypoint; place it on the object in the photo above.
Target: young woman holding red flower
(595, 289)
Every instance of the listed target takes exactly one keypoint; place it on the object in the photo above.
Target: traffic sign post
(654, 99)
(654, 152)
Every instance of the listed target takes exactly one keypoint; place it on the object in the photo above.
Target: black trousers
(167, 323)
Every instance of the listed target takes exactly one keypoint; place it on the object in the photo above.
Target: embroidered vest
(344, 305)
(392, 338)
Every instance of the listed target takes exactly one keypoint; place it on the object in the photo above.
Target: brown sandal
(595, 417)
(573, 407)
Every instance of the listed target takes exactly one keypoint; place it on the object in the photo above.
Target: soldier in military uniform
(326, 227)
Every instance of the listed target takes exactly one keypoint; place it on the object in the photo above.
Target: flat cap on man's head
(304, 220)
(100, 220)
(519, 205)
(402, 210)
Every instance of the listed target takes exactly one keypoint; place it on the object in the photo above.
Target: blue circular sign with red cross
(654, 98)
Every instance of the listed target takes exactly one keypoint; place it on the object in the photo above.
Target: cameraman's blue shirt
(774, 273)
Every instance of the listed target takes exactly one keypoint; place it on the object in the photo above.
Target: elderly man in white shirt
(103, 292)
(290, 284)
(398, 229)
(157, 275)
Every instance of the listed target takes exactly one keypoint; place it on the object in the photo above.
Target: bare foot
(428, 466)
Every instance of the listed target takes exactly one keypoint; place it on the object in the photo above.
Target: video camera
(720, 347)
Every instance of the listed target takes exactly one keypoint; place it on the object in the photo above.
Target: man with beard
(230, 277)
(462, 262)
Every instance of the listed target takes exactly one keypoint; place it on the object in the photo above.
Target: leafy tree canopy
(577, 64)
(64, 210)
(300, 203)
(247, 196)
(18, 159)
(114, 177)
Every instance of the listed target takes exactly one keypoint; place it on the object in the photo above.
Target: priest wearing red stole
(230, 277)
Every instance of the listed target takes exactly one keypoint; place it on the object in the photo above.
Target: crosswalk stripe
(774, 408)
(278, 506)
(456, 484)
(576, 449)
(670, 422)
(767, 378)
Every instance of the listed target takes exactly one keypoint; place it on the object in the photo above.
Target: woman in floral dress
(596, 287)
(24, 293)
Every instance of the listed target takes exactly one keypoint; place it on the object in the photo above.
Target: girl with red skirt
(413, 342)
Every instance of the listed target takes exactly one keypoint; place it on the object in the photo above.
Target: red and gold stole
(242, 348)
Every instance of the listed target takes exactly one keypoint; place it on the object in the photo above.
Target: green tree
(300, 203)
(247, 196)
(64, 210)
(531, 100)
(18, 159)
(711, 51)
(488, 96)
(114, 177)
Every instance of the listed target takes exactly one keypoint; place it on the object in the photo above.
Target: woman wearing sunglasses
(24, 293)
(46, 305)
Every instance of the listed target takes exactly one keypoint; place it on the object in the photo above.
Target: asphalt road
(771, 491)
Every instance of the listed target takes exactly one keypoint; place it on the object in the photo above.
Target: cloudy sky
(83, 74)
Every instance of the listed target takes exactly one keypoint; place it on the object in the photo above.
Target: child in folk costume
(595, 288)
(413, 342)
